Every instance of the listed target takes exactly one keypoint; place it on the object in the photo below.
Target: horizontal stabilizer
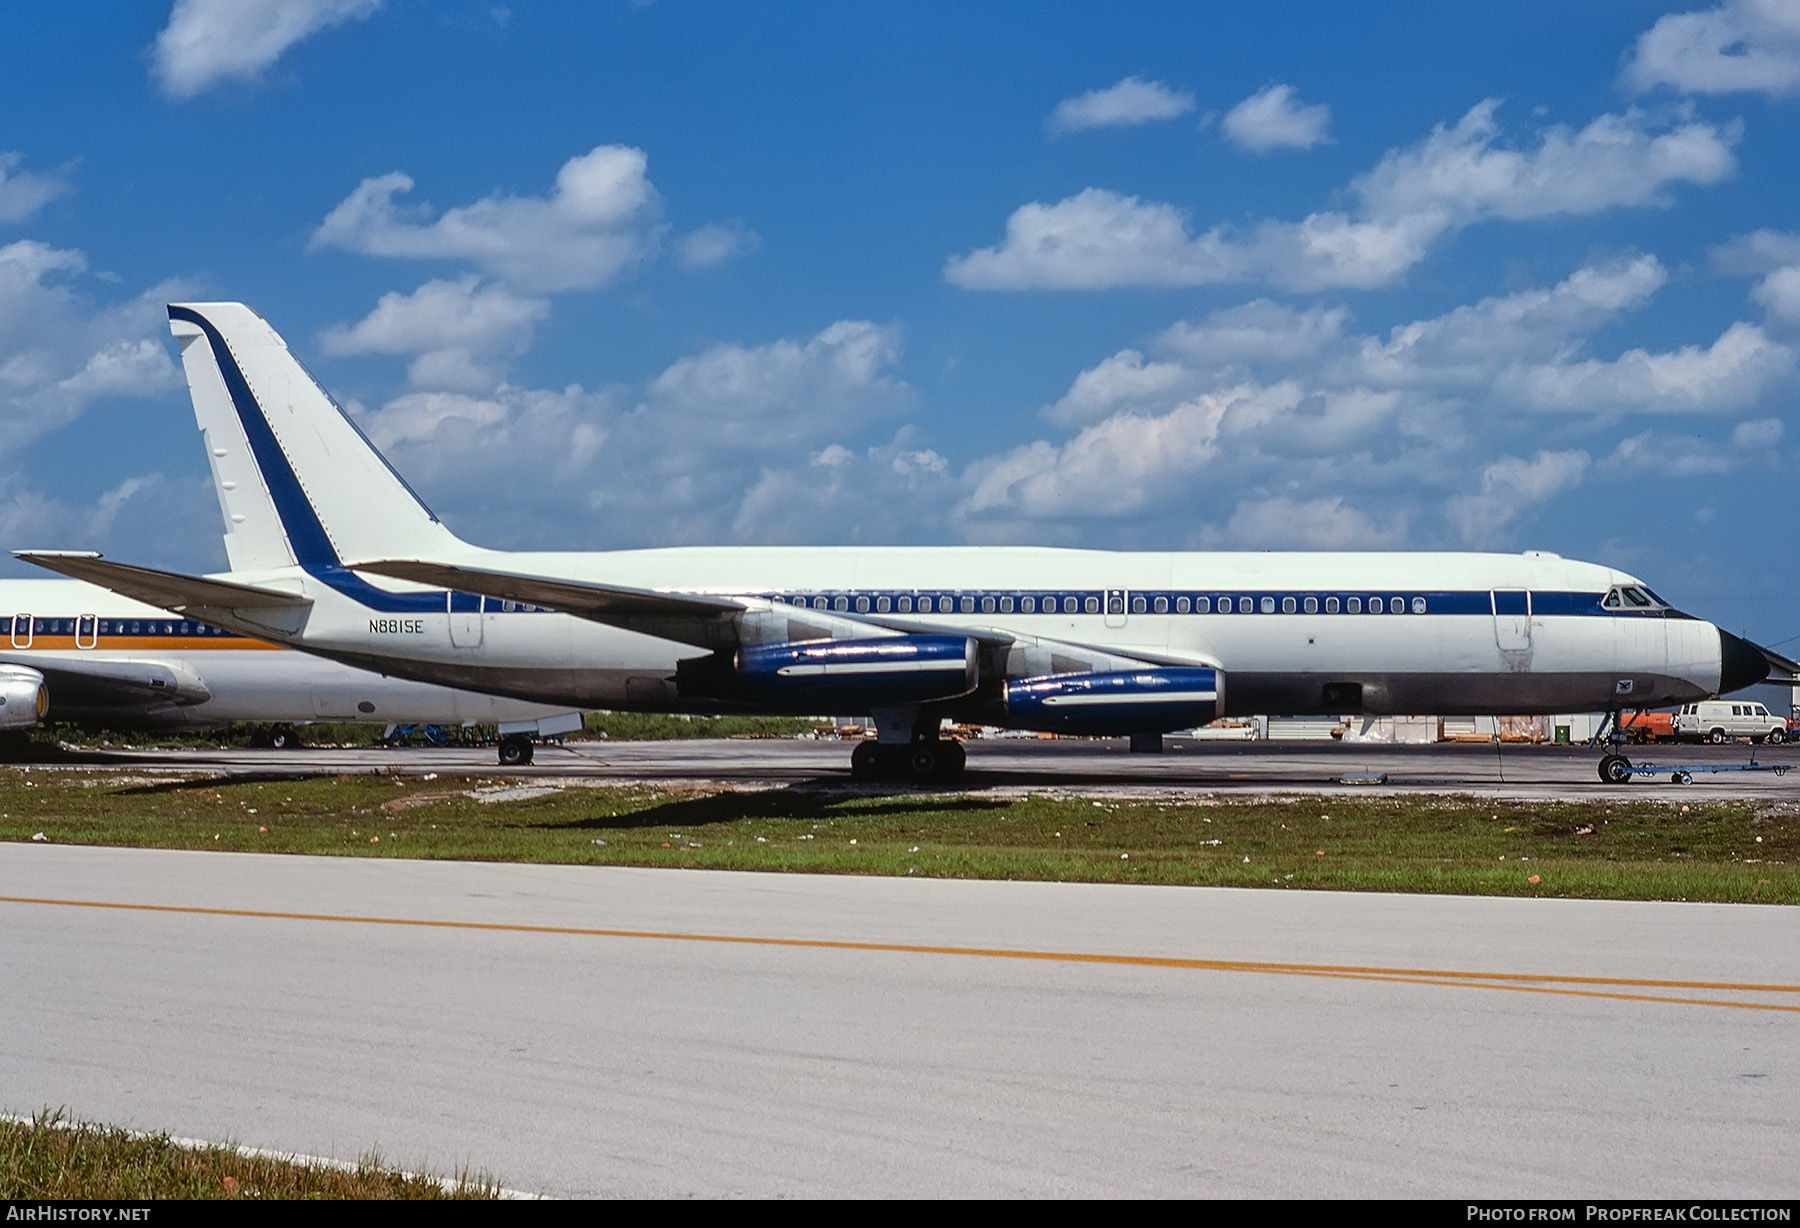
(603, 603)
(168, 590)
(1782, 670)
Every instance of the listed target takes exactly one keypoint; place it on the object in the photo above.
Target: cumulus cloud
(1129, 103)
(672, 461)
(23, 193)
(602, 217)
(1273, 118)
(715, 244)
(1511, 489)
(1740, 46)
(1465, 346)
(1258, 331)
(1312, 524)
(458, 330)
(1457, 176)
(59, 352)
(209, 41)
(1731, 374)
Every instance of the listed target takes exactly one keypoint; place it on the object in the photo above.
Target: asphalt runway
(1007, 765)
(624, 1032)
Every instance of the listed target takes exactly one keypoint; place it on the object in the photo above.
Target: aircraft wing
(1782, 671)
(674, 615)
(167, 590)
(603, 603)
(110, 682)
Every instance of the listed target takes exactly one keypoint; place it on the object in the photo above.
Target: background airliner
(1062, 640)
(77, 652)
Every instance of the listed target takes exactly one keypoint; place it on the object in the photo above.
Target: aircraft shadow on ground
(797, 802)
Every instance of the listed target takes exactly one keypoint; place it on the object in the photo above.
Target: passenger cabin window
(862, 605)
(987, 605)
(1162, 605)
(1289, 605)
(840, 603)
(906, 605)
(1418, 605)
(1139, 606)
(1245, 605)
(1397, 605)
(1115, 604)
(1092, 605)
(968, 605)
(1070, 605)
(1331, 605)
(1353, 605)
(883, 605)
(1006, 605)
(1311, 605)
(1268, 605)
(1028, 605)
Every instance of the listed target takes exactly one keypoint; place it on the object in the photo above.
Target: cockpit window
(1632, 597)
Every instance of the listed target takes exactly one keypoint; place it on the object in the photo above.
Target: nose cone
(1741, 663)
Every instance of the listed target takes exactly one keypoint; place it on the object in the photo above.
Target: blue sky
(1147, 276)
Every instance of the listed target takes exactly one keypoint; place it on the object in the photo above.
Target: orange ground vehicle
(1648, 726)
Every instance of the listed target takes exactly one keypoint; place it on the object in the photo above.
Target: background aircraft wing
(112, 682)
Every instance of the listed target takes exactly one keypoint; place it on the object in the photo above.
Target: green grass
(51, 1158)
(1722, 851)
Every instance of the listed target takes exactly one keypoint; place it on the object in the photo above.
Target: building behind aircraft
(334, 554)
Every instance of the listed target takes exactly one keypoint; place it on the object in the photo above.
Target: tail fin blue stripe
(306, 536)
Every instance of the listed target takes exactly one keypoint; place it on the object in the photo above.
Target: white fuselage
(1456, 633)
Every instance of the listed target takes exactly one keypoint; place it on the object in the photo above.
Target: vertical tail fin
(298, 483)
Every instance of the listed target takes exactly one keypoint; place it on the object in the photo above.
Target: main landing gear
(921, 761)
(515, 750)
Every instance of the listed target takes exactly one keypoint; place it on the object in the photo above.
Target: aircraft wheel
(283, 737)
(1681, 778)
(865, 761)
(515, 751)
(1716, 737)
(927, 760)
(1615, 770)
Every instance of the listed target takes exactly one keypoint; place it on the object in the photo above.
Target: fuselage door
(1512, 619)
(1115, 607)
(21, 631)
(87, 631)
(465, 619)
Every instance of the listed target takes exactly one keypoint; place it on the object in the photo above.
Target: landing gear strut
(933, 759)
(1615, 768)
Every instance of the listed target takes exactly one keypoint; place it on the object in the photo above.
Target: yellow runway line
(1561, 985)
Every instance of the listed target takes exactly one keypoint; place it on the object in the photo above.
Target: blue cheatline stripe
(1217, 602)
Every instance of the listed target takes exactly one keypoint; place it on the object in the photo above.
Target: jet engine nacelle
(844, 676)
(1110, 704)
(24, 699)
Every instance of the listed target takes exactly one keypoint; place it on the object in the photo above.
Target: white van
(1720, 720)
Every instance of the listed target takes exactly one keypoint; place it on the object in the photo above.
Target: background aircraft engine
(856, 675)
(1140, 701)
(24, 699)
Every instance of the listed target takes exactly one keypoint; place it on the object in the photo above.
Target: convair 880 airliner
(333, 553)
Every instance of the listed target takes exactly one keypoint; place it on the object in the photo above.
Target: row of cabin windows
(107, 626)
(1115, 604)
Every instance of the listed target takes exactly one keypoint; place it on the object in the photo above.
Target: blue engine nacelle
(845, 676)
(1113, 704)
(24, 699)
